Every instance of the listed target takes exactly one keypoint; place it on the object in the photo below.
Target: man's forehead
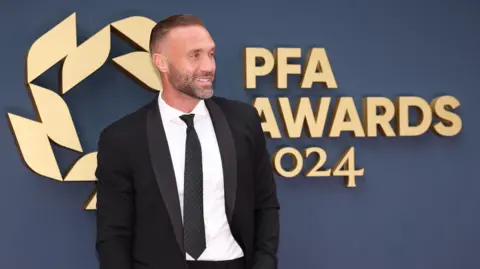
(191, 37)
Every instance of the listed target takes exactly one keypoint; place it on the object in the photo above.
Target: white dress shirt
(220, 243)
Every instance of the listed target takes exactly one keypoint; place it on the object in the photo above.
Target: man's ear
(160, 62)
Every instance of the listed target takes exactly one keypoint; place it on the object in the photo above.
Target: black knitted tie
(194, 227)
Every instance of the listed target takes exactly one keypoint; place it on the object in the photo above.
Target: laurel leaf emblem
(136, 29)
(34, 144)
(86, 59)
(139, 65)
(83, 169)
(51, 47)
(54, 122)
(55, 116)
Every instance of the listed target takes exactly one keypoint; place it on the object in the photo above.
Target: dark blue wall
(417, 205)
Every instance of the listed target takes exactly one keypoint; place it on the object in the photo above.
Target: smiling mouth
(204, 80)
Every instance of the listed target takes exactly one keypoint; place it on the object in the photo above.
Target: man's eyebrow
(200, 50)
(194, 51)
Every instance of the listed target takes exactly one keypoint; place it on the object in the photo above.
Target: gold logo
(54, 121)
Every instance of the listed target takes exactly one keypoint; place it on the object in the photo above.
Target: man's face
(191, 61)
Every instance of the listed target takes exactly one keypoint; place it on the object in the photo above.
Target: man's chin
(204, 93)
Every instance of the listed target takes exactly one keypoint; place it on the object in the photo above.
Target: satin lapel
(228, 154)
(163, 168)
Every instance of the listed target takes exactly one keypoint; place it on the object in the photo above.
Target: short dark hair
(163, 27)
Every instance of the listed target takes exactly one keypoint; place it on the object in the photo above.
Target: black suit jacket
(139, 224)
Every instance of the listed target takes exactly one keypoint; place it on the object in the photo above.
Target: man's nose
(207, 64)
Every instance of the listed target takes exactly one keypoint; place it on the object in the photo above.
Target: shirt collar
(170, 113)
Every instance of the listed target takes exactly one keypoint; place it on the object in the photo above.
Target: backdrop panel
(416, 206)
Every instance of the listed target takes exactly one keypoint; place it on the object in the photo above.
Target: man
(186, 181)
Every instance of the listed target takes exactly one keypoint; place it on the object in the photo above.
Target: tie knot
(188, 119)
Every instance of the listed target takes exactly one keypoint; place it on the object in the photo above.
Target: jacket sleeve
(267, 207)
(115, 205)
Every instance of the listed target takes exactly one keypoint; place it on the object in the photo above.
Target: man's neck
(179, 101)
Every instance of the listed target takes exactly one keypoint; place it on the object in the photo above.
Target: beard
(185, 83)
